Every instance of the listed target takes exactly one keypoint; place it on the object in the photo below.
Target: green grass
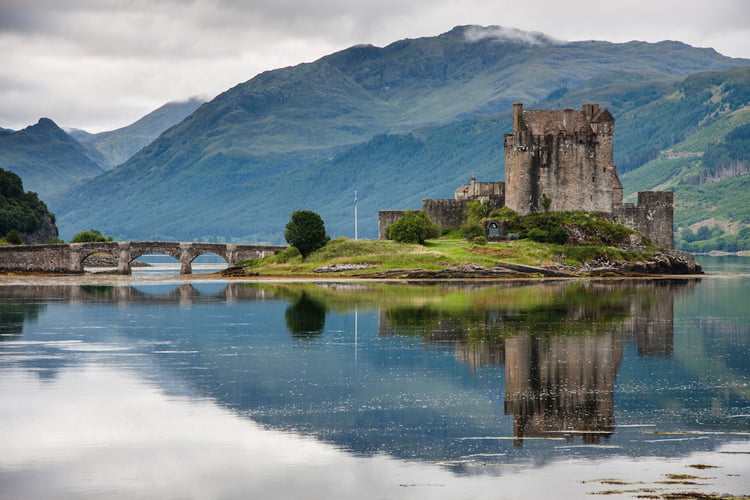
(434, 255)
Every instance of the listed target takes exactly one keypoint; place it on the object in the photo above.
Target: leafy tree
(89, 236)
(688, 235)
(413, 227)
(306, 232)
(476, 210)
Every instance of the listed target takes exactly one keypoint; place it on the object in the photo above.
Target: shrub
(472, 230)
(507, 214)
(537, 234)
(413, 227)
(92, 235)
(306, 231)
(286, 255)
(14, 237)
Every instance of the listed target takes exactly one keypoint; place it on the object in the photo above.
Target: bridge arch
(214, 261)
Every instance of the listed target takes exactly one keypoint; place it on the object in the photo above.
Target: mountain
(45, 157)
(398, 124)
(112, 148)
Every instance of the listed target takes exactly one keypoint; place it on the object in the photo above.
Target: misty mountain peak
(504, 34)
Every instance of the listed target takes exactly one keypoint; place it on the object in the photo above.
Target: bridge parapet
(69, 258)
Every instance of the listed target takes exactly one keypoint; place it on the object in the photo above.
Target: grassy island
(592, 246)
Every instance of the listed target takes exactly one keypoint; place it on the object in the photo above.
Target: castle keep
(562, 159)
(565, 156)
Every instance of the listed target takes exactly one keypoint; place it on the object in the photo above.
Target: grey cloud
(476, 33)
(95, 62)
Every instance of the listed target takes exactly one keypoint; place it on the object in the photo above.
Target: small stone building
(488, 192)
(448, 213)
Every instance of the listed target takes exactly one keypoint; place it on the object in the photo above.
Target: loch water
(166, 388)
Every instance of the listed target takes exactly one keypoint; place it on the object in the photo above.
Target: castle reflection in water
(561, 359)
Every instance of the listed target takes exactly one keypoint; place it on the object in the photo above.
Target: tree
(306, 232)
(14, 237)
(413, 227)
(92, 235)
(476, 210)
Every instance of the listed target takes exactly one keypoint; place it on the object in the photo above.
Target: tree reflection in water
(306, 318)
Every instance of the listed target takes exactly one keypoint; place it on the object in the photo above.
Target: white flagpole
(355, 215)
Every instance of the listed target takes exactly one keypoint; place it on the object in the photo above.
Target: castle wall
(386, 218)
(652, 216)
(446, 213)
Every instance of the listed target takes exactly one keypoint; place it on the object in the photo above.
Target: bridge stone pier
(69, 258)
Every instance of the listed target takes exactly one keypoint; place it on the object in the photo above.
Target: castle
(557, 160)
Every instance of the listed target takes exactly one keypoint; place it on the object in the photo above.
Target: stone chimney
(517, 114)
(568, 121)
(590, 110)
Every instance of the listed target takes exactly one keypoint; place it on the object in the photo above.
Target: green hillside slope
(302, 137)
(703, 129)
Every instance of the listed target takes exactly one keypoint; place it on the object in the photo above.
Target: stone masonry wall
(446, 213)
(652, 216)
(386, 218)
(45, 258)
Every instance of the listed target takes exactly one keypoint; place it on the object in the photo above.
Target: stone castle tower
(565, 156)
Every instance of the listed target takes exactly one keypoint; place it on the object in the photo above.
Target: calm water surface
(169, 389)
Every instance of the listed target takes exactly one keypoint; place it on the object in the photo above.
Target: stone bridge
(69, 258)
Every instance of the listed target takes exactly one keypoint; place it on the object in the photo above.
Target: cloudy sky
(102, 64)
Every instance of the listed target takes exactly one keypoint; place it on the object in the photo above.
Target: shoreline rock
(337, 268)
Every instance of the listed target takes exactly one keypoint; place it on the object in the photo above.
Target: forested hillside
(707, 164)
(23, 213)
